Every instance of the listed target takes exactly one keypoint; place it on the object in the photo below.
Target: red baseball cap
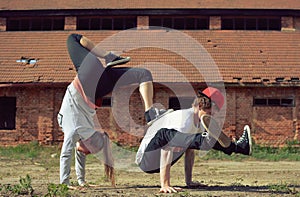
(214, 95)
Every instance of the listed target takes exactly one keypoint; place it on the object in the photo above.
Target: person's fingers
(170, 190)
(178, 189)
(71, 187)
(93, 185)
(163, 190)
(76, 188)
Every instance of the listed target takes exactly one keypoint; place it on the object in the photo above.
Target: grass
(43, 154)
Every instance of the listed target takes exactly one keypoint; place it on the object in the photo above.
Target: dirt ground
(223, 178)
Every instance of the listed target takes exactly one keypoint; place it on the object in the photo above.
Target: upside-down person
(182, 131)
(93, 81)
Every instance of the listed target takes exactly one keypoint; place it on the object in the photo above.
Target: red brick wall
(2, 24)
(37, 108)
(70, 23)
(215, 23)
(271, 125)
(142, 22)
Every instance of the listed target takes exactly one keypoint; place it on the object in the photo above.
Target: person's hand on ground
(78, 188)
(170, 189)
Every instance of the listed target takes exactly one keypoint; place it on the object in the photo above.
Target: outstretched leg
(243, 145)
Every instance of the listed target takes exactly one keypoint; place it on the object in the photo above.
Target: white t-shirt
(180, 120)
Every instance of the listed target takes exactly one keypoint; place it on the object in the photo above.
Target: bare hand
(79, 188)
(169, 189)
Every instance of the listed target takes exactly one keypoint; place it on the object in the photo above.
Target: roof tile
(251, 56)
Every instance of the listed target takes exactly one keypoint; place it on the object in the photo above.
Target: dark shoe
(118, 61)
(244, 144)
(154, 114)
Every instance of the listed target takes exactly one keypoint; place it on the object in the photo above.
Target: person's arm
(165, 168)
(188, 165)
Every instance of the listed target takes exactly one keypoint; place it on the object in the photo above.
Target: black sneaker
(118, 61)
(244, 144)
(154, 114)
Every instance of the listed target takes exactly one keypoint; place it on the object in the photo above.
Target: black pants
(169, 137)
(95, 79)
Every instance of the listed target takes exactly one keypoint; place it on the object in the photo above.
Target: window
(105, 23)
(285, 102)
(7, 113)
(35, 24)
(180, 103)
(260, 101)
(180, 23)
(251, 23)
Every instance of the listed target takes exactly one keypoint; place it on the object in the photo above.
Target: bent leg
(76, 51)
(123, 76)
(174, 138)
(151, 161)
(166, 138)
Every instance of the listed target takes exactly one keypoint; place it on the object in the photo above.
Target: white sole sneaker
(248, 130)
(118, 62)
(158, 117)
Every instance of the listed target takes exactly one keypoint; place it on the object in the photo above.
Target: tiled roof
(145, 4)
(240, 56)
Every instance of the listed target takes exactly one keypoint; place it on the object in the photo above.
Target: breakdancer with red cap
(184, 131)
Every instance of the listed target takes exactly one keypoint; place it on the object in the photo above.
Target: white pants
(76, 120)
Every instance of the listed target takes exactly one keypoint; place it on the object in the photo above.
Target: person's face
(214, 109)
(82, 148)
(210, 111)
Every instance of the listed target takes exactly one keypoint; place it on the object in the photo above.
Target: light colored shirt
(180, 120)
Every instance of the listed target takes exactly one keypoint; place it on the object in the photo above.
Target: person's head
(93, 145)
(210, 100)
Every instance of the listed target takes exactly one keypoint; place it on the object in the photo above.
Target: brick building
(254, 46)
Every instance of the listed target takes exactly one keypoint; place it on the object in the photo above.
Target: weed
(238, 182)
(282, 188)
(23, 188)
(61, 190)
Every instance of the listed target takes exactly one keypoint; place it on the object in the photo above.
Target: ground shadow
(263, 190)
(248, 189)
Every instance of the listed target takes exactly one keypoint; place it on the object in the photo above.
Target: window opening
(7, 113)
